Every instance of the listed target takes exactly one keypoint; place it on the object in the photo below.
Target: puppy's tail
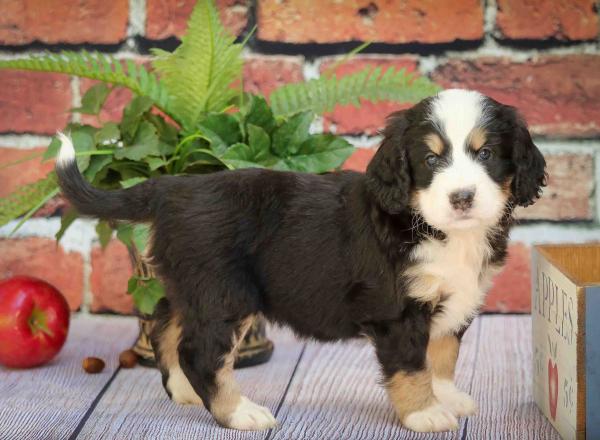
(131, 204)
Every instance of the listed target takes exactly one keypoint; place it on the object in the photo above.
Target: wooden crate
(566, 337)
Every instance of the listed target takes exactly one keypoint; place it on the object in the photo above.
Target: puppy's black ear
(530, 167)
(388, 174)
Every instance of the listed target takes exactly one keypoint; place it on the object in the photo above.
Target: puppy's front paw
(460, 403)
(248, 416)
(434, 418)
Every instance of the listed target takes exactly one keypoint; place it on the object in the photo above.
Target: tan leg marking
(442, 354)
(169, 342)
(414, 401)
(178, 384)
(228, 406)
(228, 394)
(410, 392)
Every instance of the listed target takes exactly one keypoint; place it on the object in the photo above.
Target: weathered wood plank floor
(315, 391)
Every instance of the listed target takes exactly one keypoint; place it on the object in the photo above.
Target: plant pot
(255, 349)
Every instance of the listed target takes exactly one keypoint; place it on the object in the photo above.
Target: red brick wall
(542, 56)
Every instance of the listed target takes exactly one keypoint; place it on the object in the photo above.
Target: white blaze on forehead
(456, 112)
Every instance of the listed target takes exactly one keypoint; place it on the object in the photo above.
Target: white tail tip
(67, 153)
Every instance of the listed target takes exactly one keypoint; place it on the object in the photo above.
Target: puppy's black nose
(462, 199)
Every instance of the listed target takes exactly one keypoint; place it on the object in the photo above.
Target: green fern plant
(28, 199)
(324, 93)
(198, 74)
(100, 67)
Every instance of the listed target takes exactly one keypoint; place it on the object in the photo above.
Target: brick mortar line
(123, 52)
(490, 10)
(364, 141)
(136, 25)
(116, 49)
(489, 48)
(87, 297)
(23, 141)
(486, 49)
(317, 125)
(427, 64)
(75, 97)
(311, 68)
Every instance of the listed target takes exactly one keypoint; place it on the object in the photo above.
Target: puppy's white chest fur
(450, 272)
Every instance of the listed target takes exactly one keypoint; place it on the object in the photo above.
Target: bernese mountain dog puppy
(402, 254)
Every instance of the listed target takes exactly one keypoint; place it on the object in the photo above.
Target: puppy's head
(458, 158)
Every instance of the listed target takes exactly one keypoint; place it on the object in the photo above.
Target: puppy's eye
(484, 154)
(431, 160)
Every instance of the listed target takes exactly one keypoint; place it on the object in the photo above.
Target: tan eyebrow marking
(434, 142)
(477, 138)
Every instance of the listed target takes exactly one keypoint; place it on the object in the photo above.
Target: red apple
(34, 320)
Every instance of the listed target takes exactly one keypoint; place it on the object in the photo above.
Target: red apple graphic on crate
(552, 387)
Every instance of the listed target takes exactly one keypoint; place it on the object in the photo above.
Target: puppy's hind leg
(206, 356)
(165, 337)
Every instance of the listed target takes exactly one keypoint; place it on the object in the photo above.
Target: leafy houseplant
(190, 115)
